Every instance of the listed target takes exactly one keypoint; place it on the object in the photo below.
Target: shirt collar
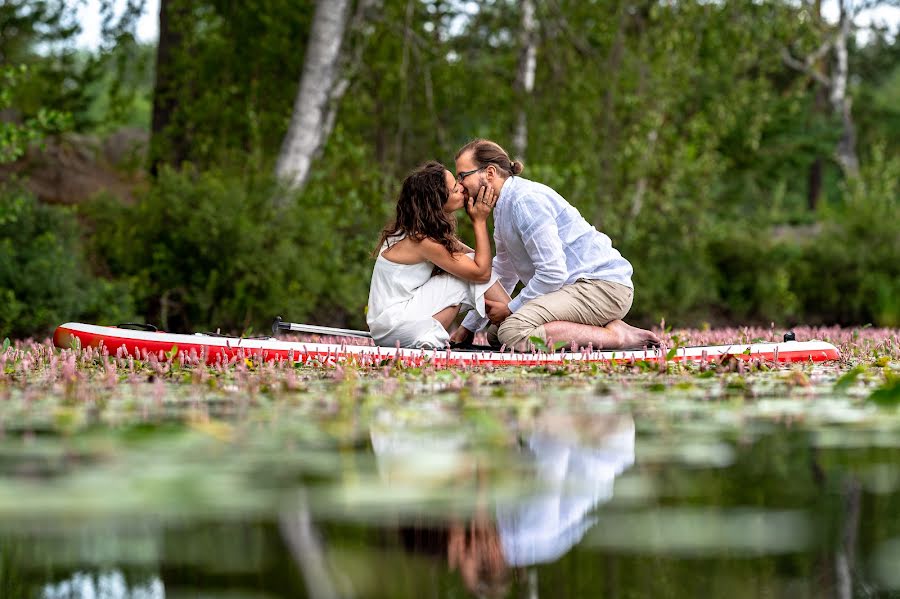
(508, 189)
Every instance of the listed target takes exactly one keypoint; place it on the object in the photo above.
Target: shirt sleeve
(474, 322)
(506, 275)
(536, 224)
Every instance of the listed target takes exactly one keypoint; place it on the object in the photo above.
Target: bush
(210, 251)
(850, 274)
(44, 277)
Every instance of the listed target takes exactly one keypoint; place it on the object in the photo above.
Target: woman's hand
(481, 207)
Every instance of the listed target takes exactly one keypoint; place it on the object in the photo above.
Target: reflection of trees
(296, 528)
(227, 555)
(839, 572)
(46, 566)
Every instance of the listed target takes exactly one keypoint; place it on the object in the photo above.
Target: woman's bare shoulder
(403, 251)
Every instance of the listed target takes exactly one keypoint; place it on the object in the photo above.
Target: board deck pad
(213, 349)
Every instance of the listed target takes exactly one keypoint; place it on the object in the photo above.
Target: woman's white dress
(404, 297)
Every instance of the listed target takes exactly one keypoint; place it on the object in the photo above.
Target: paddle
(279, 325)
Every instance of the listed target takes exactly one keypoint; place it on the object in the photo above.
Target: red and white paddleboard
(213, 348)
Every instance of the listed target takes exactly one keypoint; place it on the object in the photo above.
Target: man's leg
(584, 313)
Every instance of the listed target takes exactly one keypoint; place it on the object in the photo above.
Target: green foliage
(44, 276)
(677, 129)
(122, 92)
(849, 378)
(234, 75)
(38, 34)
(541, 345)
(208, 250)
(14, 137)
(850, 273)
(888, 394)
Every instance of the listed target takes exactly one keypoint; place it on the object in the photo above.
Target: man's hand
(461, 335)
(497, 312)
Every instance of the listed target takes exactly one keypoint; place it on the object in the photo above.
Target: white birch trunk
(297, 530)
(840, 101)
(525, 78)
(320, 88)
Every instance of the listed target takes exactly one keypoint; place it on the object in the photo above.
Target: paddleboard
(212, 349)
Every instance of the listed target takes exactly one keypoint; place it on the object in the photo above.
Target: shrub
(850, 274)
(44, 277)
(209, 250)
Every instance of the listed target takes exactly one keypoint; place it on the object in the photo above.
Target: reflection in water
(455, 500)
(576, 477)
(105, 585)
(572, 462)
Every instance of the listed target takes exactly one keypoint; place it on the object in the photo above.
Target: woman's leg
(447, 316)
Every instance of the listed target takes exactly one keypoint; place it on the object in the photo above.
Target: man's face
(473, 182)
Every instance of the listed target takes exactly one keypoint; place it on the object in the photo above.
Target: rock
(73, 167)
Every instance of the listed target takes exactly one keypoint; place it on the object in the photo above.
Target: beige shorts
(586, 301)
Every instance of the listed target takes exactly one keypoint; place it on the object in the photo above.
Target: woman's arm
(457, 263)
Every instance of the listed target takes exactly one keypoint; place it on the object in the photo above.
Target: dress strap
(390, 242)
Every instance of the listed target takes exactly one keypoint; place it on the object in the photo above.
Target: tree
(525, 77)
(835, 80)
(168, 141)
(321, 87)
(15, 137)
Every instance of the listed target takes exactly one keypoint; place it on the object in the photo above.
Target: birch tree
(835, 81)
(840, 100)
(525, 77)
(321, 87)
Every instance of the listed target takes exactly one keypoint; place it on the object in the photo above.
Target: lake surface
(500, 484)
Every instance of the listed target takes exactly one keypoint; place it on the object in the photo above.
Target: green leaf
(849, 378)
(888, 395)
(539, 343)
(6, 344)
(672, 353)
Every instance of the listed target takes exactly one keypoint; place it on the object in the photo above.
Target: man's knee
(516, 332)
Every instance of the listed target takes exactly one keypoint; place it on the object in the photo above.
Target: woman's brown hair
(420, 209)
(486, 152)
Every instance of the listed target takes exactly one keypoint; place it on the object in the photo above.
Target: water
(522, 485)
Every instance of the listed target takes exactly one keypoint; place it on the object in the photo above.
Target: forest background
(743, 155)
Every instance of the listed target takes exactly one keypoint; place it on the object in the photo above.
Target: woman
(423, 273)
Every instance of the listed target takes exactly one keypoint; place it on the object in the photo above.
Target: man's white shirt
(543, 241)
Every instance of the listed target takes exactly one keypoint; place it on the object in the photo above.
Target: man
(577, 286)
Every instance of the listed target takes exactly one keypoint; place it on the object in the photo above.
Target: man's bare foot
(632, 337)
(615, 335)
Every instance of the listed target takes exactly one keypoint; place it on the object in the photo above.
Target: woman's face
(456, 199)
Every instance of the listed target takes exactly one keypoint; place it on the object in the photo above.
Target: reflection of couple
(574, 462)
(577, 287)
